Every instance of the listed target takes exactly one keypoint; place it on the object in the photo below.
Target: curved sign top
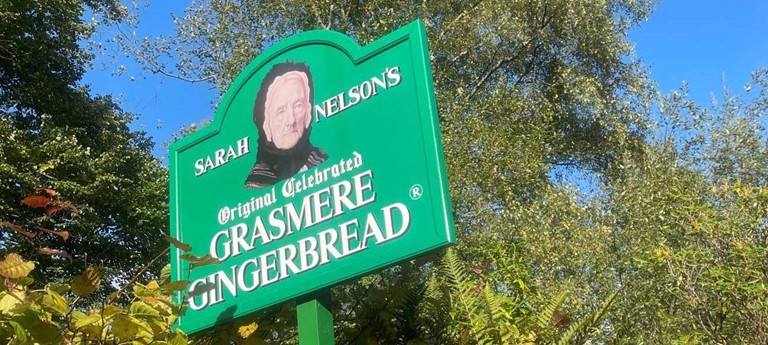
(323, 163)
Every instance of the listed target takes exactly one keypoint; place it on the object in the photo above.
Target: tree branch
(136, 277)
(455, 20)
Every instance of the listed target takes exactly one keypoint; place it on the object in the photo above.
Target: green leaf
(178, 285)
(141, 308)
(177, 338)
(18, 330)
(143, 291)
(55, 302)
(86, 283)
(38, 326)
(125, 327)
(58, 287)
(11, 303)
(25, 281)
(201, 289)
(165, 273)
(14, 266)
(199, 261)
(87, 320)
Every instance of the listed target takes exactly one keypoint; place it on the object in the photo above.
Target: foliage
(55, 314)
(589, 209)
(478, 313)
(524, 88)
(50, 315)
(691, 220)
(56, 135)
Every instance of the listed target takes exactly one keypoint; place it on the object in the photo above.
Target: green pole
(315, 318)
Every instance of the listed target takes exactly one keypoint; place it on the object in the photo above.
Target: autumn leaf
(36, 201)
(559, 319)
(48, 191)
(54, 252)
(199, 261)
(86, 283)
(18, 229)
(178, 244)
(176, 285)
(68, 206)
(177, 338)
(165, 273)
(14, 266)
(247, 330)
(141, 308)
(56, 206)
(201, 289)
(128, 327)
(62, 234)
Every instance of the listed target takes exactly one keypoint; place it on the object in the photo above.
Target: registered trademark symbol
(416, 191)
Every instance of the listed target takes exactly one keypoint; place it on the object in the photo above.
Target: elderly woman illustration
(282, 115)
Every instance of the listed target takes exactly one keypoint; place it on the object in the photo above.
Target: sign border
(415, 34)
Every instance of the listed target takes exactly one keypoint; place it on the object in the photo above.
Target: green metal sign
(323, 163)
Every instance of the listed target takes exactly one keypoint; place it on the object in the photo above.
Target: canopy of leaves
(56, 134)
(664, 243)
(523, 88)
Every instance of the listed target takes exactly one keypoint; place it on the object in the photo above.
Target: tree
(53, 314)
(690, 219)
(55, 134)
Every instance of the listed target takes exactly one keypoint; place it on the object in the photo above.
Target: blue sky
(702, 42)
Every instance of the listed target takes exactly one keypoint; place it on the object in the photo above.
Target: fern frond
(452, 268)
(604, 309)
(585, 326)
(573, 330)
(544, 318)
(406, 312)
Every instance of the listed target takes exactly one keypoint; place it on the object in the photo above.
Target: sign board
(323, 163)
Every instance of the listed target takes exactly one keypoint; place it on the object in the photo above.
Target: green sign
(323, 163)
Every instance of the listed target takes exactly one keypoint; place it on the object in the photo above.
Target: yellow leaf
(247, 330)
(55, 302)
(153, 285)
(141, 308)
(87, 320)
(13, 266)
(86, 283)
(47, 166)
(177, 338)
(10, 302)
(127, 327)
(110, 310)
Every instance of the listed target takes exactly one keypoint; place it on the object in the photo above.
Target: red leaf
(559, 319)
(36, 201)
(48, 191)
(18, 229)
(178, 244)
(478, 269)
(54, 252)
(68, 206)
(56, 206)
(62, 234)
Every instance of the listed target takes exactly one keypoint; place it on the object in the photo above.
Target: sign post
(323, 163)
(315, 319)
